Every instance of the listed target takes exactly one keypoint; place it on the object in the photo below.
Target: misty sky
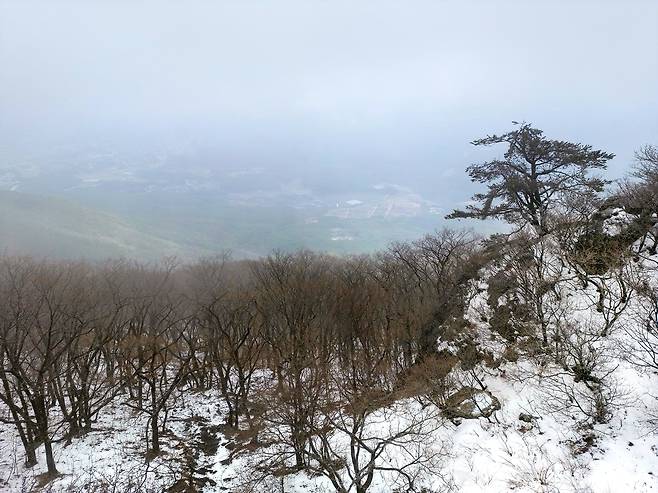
(374, 84)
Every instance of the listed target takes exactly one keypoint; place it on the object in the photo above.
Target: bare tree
(352, 443)
(15, 278)
(361, 429)
(294, 300)
(231, 329)
(641, 347)
(437, 272)
(85, 384)
(585, 386)
(40, 327)
(156, 350)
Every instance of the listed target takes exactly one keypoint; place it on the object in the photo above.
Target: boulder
(471, 403)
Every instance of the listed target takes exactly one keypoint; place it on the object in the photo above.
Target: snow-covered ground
(114, 452)
(526, 446)
(498, 454)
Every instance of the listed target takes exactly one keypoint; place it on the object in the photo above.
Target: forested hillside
(524, 361)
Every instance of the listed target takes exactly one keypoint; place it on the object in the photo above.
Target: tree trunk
(155, 435)
(50, 460)
(155, 431)
(41, 414)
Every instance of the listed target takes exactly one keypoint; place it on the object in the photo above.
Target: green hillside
(37, 225)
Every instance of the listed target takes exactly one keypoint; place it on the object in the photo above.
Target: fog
(319, 99)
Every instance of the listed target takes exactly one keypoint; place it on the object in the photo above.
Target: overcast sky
(364, 80)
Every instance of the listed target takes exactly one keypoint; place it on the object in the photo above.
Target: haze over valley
(219, 128)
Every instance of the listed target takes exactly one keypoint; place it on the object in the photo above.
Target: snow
(553, 452)
(115, 450)
(487, 455)
(618, 220)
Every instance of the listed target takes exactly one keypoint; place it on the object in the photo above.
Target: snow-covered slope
(540, 440)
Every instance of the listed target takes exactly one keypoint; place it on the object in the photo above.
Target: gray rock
(471, 403)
